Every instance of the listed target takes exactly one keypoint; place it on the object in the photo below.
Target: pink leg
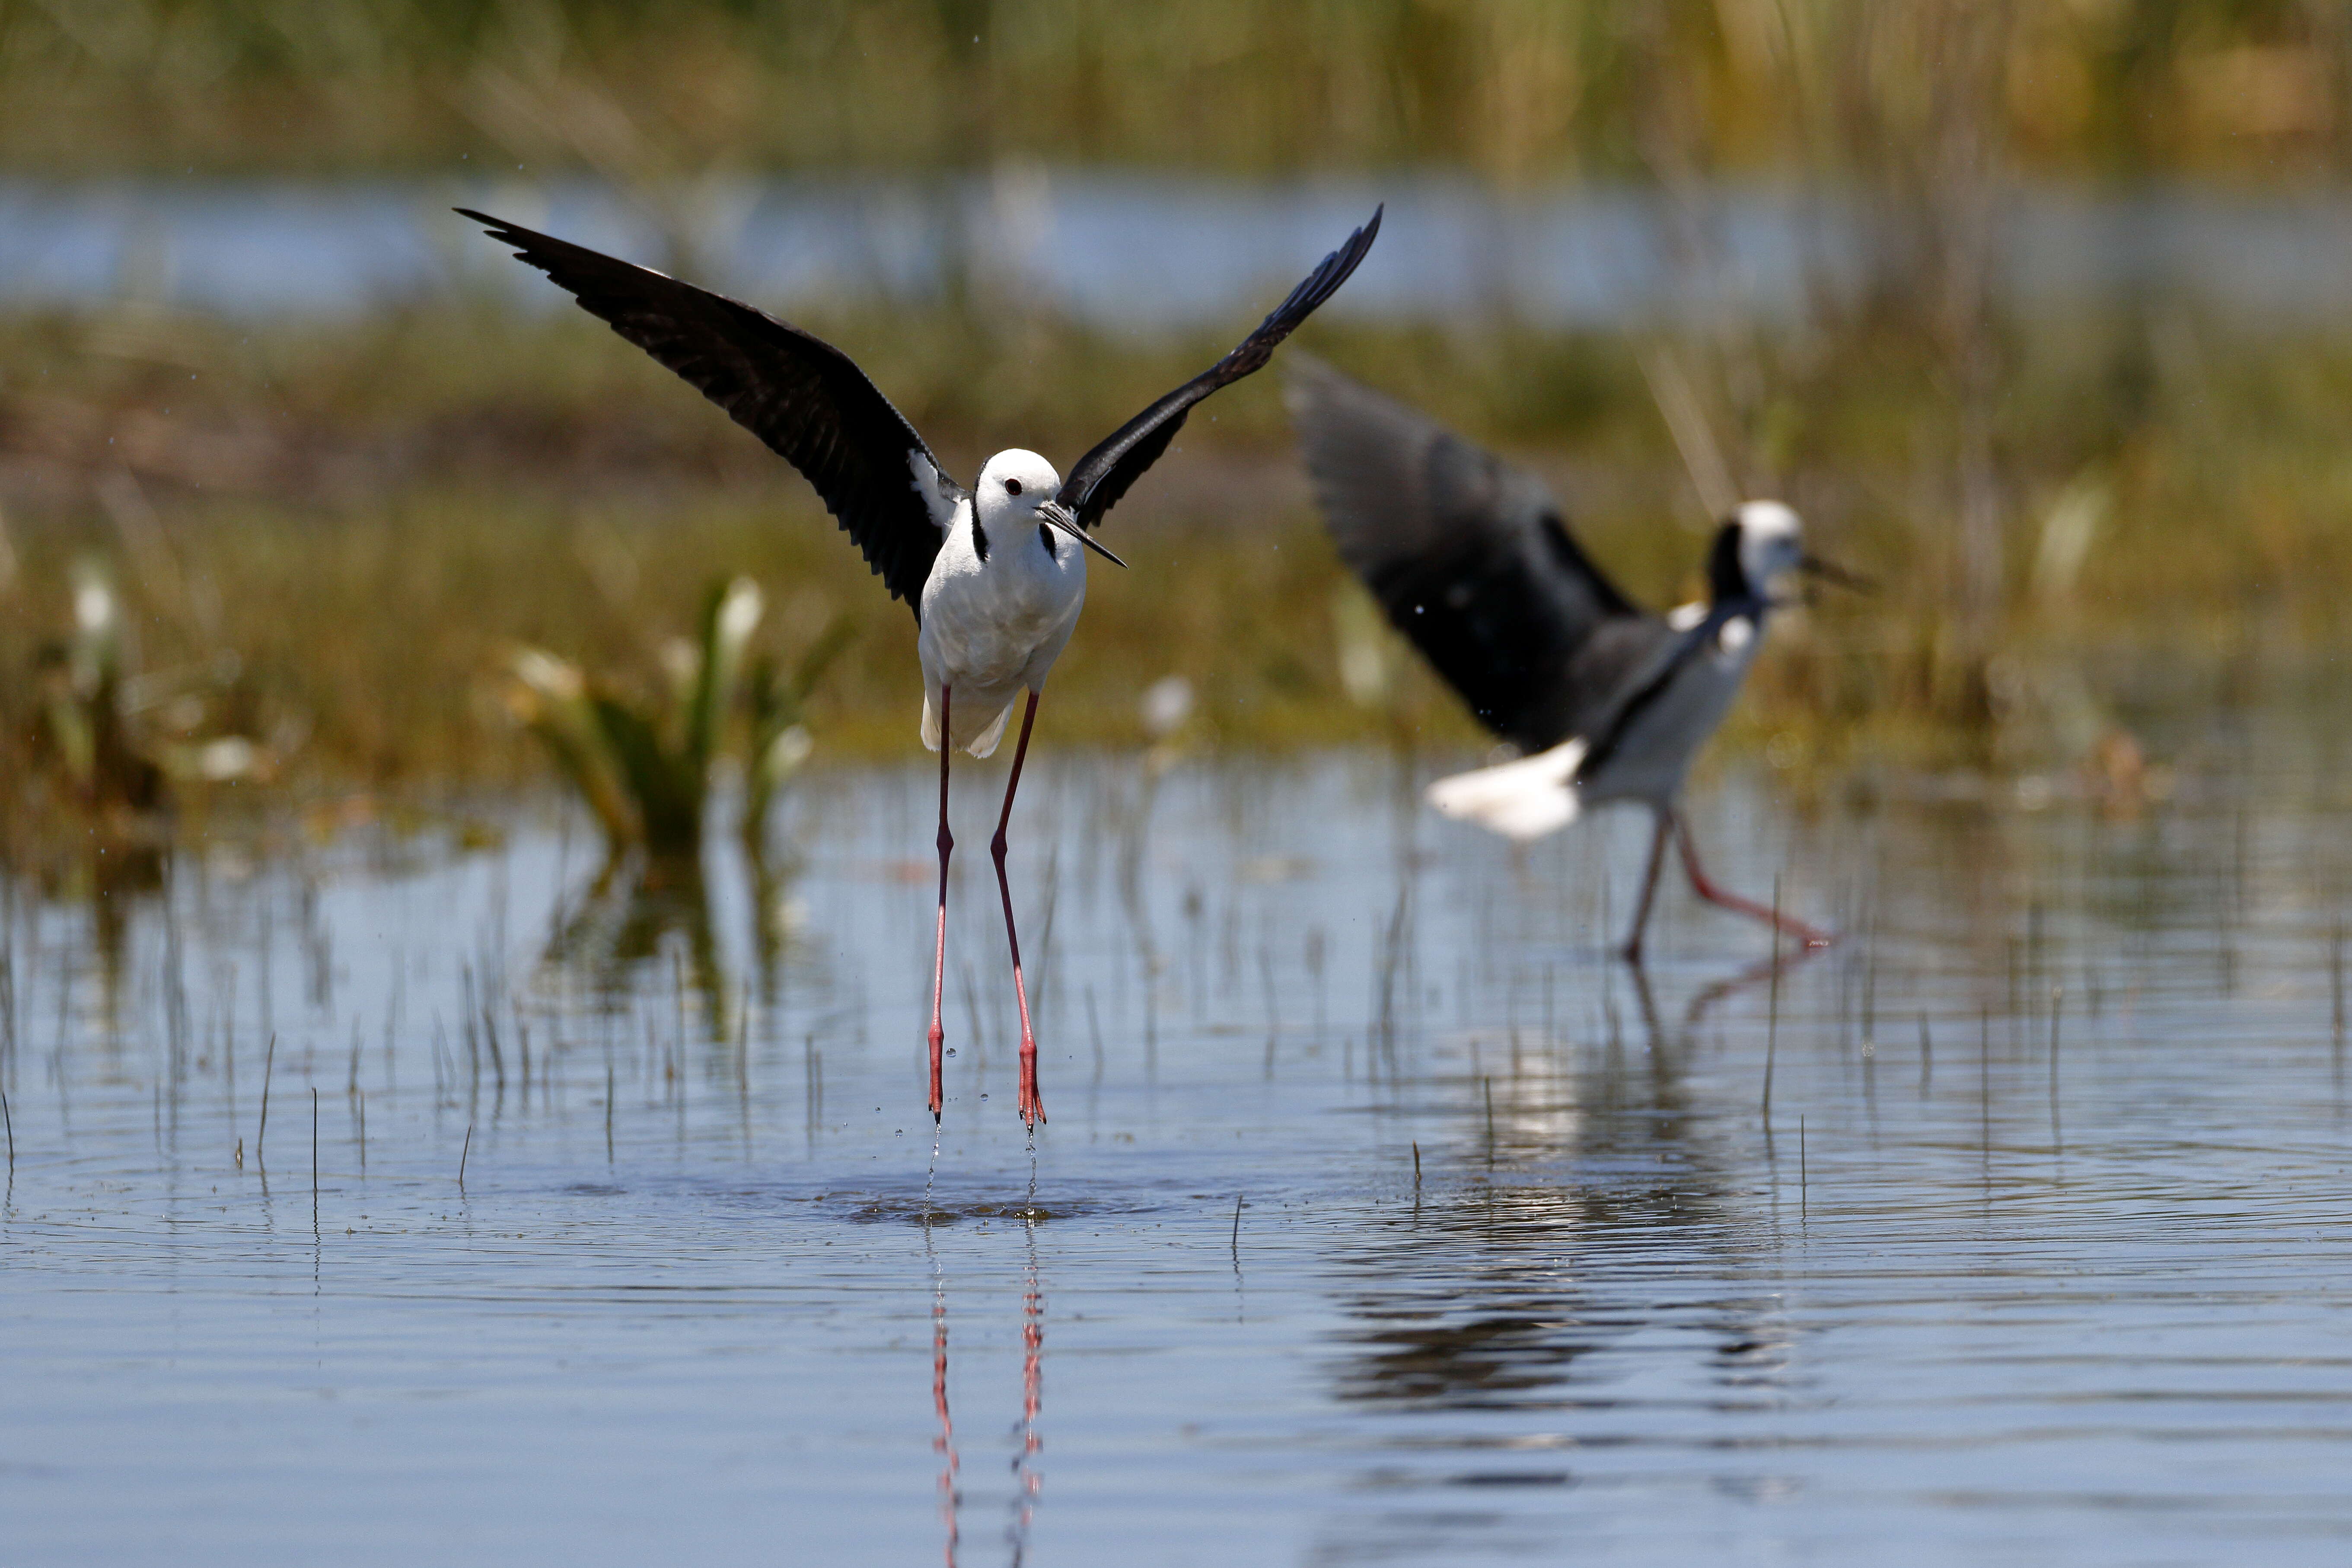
(1632, 948)
(1032, 1110)
(1811, 936)
(940, 953)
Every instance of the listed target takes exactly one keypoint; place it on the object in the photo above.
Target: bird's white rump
(1522, 800)
(981, 745)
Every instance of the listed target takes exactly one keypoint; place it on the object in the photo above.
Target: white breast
(1652, 756)
(994, 629)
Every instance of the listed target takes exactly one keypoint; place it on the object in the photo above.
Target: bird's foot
(938, 1041)
(1032, 1106)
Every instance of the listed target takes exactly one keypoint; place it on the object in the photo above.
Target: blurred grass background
(2076, 520)
(1510, 89)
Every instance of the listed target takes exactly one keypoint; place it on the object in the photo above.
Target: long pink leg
(1032, 1110)
(1811, 936)
(940, 953)
(1632, 948)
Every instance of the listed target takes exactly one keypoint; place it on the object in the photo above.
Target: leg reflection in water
(1028, 1480)
(944, 1444)
(1707, 996)
(1026, 1473)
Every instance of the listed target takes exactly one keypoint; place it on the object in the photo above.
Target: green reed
(649, 92)
(363, 521)
(644, 766)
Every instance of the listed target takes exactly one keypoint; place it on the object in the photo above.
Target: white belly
(992, 629)
(1650, 759)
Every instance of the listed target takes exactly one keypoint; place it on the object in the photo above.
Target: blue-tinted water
(1143, 252)
(2041, 1253)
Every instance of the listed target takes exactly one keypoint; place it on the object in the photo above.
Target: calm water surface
(1131, 251)
(2040, 1249)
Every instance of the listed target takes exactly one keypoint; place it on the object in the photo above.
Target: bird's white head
(1019, 492)
(1771, 542)
(1012, 485)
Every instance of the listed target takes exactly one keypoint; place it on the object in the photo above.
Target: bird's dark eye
(1012, 487)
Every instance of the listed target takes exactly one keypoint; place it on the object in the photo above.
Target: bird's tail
(983, 743)
(980, 744)
(1522, 800)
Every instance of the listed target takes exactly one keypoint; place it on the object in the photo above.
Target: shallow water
(1127, 251)
(2040, 1250)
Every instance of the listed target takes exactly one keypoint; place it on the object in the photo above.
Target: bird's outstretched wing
(1470, 559)
(807, 399)
(1103, 475)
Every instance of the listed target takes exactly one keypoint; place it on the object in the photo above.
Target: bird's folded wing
(1468, 556)
(1103, 475)
(1653, 676)
(1522, 799)
(807, 399)
(1530, 796)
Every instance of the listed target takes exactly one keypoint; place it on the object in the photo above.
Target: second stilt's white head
(1771, 542)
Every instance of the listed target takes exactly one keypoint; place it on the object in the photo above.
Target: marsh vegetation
(1382, 1216)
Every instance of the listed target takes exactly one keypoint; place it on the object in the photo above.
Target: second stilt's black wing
(1470, 559)
(1103, 475)
(807, 399)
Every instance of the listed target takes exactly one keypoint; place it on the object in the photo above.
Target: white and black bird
(1603, 700)
(994, 574)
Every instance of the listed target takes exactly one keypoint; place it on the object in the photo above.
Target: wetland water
(1129, 251)
(2042, 1252)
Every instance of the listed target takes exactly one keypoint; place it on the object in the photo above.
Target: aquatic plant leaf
(551, 700)
(729, 615)
(780, 742)
(667, 790)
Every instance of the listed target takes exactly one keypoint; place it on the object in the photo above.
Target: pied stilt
(1603, 700)
(995, 592)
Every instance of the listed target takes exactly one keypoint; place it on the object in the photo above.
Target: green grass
(372, 519)
(653, 92)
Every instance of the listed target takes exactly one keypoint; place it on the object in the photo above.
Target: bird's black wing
(807, 399)
(1103, 475)
(1470, 559)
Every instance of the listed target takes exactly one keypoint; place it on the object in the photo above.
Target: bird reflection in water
(1576, 1189)
(1028, 1480)
(950, 1500)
